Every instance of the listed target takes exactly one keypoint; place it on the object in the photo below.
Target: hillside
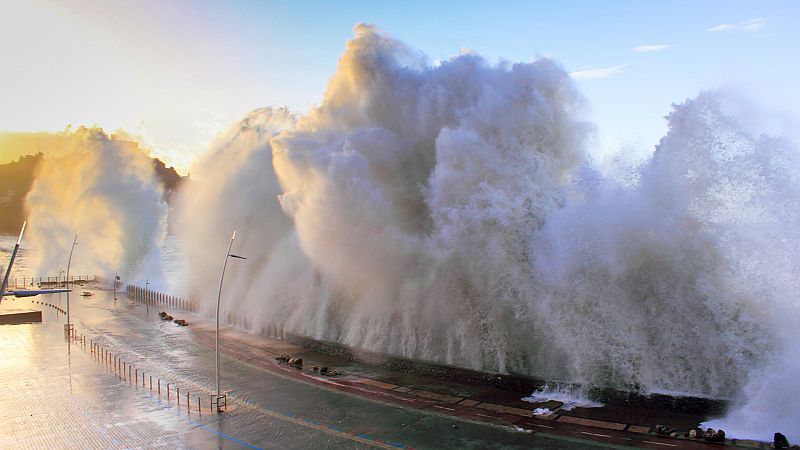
(16, 179)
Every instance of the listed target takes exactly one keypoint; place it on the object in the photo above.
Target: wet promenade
(60, 395)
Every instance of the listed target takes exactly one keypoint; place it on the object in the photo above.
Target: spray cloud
(104, 189)
(449, 213)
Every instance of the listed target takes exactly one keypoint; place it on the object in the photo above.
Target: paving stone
(377, 384)
(748, 443)
(592, 423)
(468, 402)
(506, 409)
(435, 396)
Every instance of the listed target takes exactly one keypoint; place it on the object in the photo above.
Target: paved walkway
(379, 408)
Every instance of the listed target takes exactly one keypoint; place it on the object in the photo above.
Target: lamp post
(219, 296)
(68, 325)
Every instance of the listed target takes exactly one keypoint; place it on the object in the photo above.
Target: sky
(175, 73)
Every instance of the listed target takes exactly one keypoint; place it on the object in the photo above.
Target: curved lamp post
(68, 326)
(219, 297)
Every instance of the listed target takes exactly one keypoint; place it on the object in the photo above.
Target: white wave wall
(106, 190)
(233, 187)
(449, 212)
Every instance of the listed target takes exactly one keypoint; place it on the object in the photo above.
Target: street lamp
(219, 296)
(68, 326)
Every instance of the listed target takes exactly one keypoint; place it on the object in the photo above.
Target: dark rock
(780, 441)
(329, 371)
(664, 430)
(714, 436)
(315, 368)
(284, 358)
(297, 362)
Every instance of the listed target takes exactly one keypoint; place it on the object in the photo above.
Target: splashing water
(570, 396)
(105, 190)
(450, 213)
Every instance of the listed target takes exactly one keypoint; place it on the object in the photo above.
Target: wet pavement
(61, 395)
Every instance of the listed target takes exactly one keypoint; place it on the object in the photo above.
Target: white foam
(571, 397)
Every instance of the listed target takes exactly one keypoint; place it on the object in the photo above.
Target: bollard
(129, 373)
(143, 384)
(159, 386)
(136, 372)
(151, 382)
(167, 391)
(178, 394)
(188, 396)
(198, 404)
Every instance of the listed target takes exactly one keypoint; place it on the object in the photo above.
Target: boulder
(664, 430)
(714, 436)
(297, 362)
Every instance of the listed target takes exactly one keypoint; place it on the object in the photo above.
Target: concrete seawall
(522, 384)
(517, 383)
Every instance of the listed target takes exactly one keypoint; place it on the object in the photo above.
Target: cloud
(751, 25)
(651, 48)
(598, 73)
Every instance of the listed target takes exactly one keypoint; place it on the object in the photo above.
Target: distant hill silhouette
(16, 179)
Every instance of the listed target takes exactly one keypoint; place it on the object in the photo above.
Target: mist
(105, 190)
(450, 212)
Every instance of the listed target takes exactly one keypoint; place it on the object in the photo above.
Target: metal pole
(147, 297)
(69, 261)
(219, 297)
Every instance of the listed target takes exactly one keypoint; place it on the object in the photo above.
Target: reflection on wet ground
(55, 396)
